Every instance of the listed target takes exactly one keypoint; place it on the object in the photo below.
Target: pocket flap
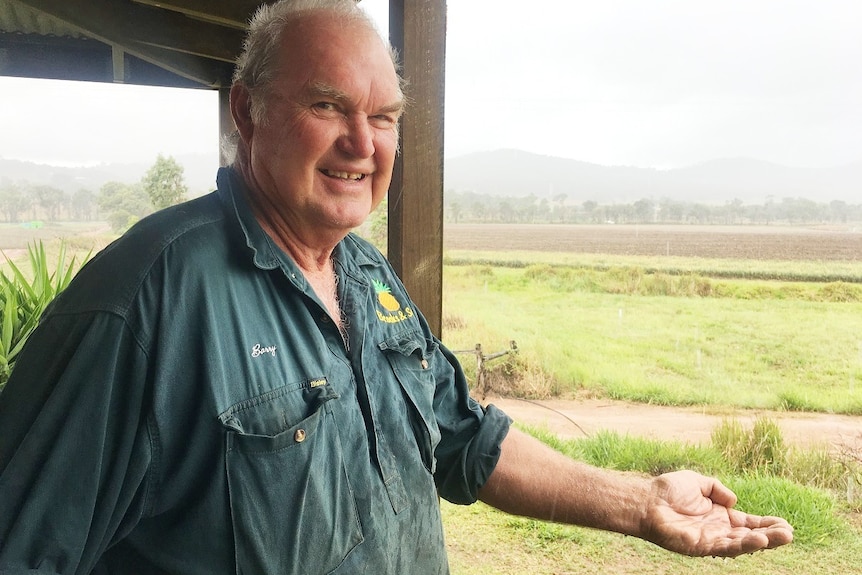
(273, 412)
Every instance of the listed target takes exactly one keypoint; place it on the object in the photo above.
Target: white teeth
(344, 175)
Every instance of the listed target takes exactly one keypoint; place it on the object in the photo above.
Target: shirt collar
(232, 192)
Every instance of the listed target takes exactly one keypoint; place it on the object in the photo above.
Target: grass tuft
(768, 478)
(811, 511)
(760, 449)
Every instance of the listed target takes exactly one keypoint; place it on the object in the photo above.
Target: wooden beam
(162, 37)
(415, 246)
(118, 64)
(235, 13)
(226, 126)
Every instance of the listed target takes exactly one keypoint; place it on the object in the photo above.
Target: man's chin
(346, 223)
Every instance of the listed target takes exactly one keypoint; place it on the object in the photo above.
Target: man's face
(323, 157)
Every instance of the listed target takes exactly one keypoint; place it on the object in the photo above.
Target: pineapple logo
(394, 313)
(385, 297)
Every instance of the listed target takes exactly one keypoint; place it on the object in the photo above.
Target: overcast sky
(648, 83)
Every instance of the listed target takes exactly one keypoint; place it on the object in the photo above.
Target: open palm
(694, 515)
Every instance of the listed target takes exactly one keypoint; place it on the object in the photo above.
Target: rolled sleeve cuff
(477, 461)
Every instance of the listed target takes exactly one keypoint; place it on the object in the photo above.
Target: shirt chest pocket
(292, 507)
(410, 356)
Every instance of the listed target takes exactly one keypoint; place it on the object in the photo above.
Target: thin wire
(573, 422)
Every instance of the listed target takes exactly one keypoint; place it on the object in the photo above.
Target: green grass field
(747, 343)
(725, 333)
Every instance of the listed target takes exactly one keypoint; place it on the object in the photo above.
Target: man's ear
(240, 109)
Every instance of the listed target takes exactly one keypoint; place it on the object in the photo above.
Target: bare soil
(823, 243)
(577, 418)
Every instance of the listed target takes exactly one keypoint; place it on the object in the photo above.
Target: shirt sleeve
(75, 446)
(471, 435)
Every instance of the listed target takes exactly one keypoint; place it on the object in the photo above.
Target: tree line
(118, 203)
(470, 207)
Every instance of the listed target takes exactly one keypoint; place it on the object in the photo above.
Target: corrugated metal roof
(19, 18)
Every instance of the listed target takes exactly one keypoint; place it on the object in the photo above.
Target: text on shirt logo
(259, 350)
(394, 313)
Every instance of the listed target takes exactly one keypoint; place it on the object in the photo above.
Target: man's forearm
(533, 480)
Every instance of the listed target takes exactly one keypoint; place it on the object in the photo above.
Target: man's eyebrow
(321, 89)
(325, 90)
(393, 108)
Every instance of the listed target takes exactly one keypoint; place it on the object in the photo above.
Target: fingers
(777, 530)
(751, 541)
(742, 519)
(750, 533)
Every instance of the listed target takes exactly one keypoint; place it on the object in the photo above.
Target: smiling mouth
(344, 175)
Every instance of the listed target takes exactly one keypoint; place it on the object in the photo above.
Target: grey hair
(257, 64)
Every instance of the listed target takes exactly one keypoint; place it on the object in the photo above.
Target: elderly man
(239, 385)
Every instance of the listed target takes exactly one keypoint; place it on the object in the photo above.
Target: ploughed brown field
(735, 242)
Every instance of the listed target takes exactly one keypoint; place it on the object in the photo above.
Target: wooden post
(225, 121)
(480, 371)
(417, 30)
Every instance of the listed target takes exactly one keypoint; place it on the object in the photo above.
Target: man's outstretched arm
(682, 511)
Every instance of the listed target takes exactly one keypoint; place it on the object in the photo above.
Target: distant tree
(164, 184)
(733, 211)
(590, 207)
(478, 211)
(454, 211)
(379, 228)
(13, 201)
(838, 211)
(671, 210)
(524, 209)
(123, 204)
(470, 206)
(756, 214)
(621, 213)
(82, 203)
(700, 213)
(644, 210)
(560, 209)
(50, 199)
(800, 210)
(507, 213)
(543, 210)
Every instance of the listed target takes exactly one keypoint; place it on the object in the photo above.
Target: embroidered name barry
(259, 350)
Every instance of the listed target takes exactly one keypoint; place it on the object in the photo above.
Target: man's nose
(358, 139)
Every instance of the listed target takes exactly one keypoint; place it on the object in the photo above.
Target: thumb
(717, 492)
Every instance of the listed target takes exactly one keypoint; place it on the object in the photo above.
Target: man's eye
(383, 120)
(327, 106)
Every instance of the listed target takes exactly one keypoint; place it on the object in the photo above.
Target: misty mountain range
(516, 173)
(199, 171)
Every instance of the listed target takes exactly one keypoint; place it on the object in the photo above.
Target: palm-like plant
(23, 298)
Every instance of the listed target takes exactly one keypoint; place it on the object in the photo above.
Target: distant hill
(199, 171)
(517, 173)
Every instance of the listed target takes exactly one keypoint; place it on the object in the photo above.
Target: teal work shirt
(186, 406)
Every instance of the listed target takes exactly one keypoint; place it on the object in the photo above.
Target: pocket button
(299, 435)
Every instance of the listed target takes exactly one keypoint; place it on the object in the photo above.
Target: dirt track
(577, 418)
